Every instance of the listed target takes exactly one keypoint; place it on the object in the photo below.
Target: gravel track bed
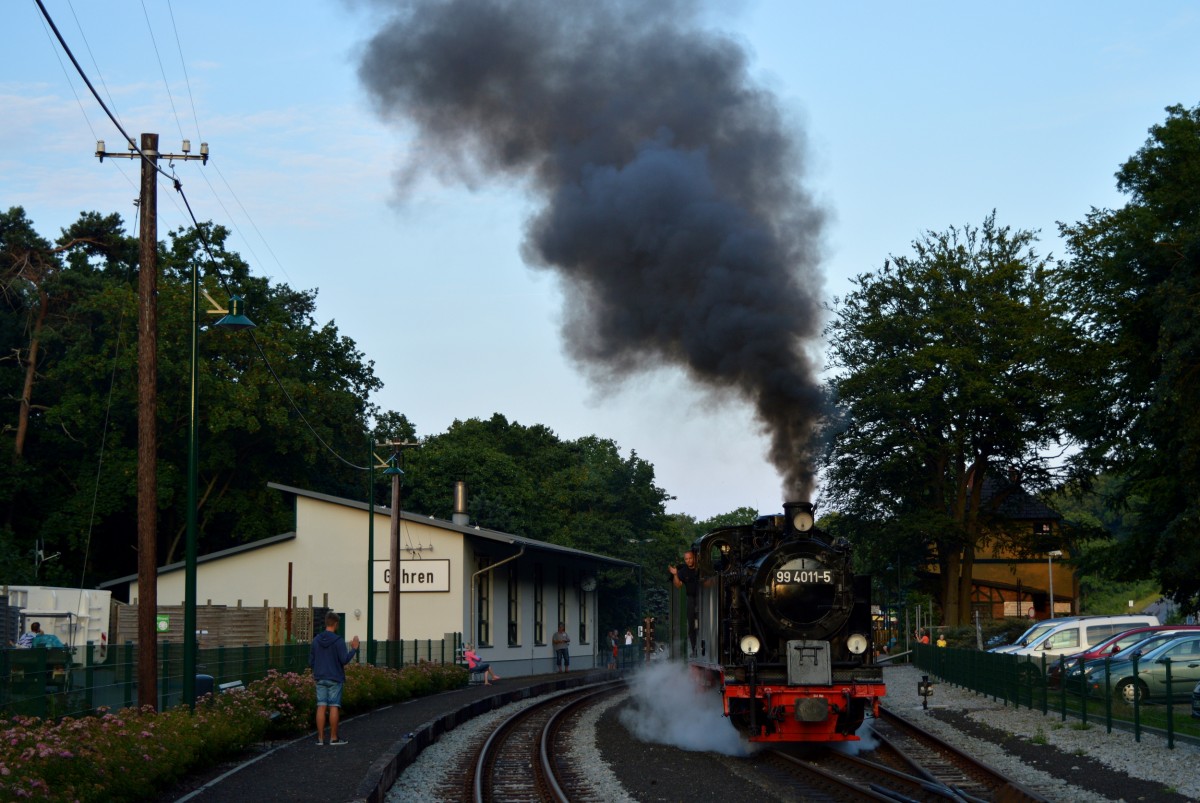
(1073, 765)
(428, 772)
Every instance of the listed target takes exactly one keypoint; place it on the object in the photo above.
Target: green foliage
(133, 754)
(68, 317)
(947, 368)
(1133, 278)
(1106, 597)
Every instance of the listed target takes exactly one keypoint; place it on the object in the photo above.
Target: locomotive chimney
(460, 504)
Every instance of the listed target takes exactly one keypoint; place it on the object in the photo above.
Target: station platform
(380, 744)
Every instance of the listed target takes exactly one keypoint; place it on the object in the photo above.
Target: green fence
(1057, 686)
(48, 683)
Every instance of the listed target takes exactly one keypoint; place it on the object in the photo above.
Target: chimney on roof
(460, 504)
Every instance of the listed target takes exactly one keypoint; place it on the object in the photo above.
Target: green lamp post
(234, 318)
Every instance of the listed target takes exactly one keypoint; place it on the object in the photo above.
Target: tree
(525, 480)
(1134, 281)
(56, 313)
(293, 417)
(947, 370)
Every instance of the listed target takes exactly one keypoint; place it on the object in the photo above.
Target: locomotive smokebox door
(808, 663)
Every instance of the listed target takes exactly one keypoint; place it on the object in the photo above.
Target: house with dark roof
(503, 592)
(1025, 562)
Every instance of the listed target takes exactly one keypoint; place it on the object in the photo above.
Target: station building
(503, 592)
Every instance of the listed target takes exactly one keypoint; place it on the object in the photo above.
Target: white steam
(667, 707)
(866, 743)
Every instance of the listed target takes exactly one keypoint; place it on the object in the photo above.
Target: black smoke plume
(672, 204)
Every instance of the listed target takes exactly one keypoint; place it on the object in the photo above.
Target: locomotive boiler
(785, 630)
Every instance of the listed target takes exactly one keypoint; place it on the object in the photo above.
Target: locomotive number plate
(804, 576)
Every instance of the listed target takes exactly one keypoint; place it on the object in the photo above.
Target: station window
(514, 606)
(483, 602)
(583, 617)
(562, 594)
(539, 604)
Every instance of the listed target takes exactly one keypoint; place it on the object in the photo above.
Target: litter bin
(204, 685)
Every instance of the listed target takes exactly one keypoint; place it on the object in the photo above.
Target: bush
(132, 754)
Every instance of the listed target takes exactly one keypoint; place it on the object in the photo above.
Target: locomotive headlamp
(802, 520)
(749, 644)
(857, 643)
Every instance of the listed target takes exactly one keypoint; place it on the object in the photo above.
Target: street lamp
(1050, 556)
(233, 319)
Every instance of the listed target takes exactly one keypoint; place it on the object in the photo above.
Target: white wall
(329, 564)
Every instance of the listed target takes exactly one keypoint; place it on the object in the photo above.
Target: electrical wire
(183, 66)
(161, 69)
(95, 64)
(212, 260)
(112, 383)
(79, 69)
(178, 186)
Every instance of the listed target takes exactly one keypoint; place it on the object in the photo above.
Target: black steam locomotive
(784, 630)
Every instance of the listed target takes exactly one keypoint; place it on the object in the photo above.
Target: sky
(913, 117)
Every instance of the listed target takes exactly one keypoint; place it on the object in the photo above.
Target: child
(476, 666)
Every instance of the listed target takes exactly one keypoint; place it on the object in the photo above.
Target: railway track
(910, 750)
(909, 764)
(518, 759)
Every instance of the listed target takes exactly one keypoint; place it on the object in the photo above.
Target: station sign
(415, 576)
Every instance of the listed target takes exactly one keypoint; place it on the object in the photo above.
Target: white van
(1072, 636)
(1036, 631)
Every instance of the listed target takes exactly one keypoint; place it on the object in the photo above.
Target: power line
(178, 185)
(161, 69)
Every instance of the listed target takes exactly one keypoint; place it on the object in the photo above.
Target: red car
(1113, 645)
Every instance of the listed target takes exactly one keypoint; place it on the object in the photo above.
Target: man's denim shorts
(329, 692)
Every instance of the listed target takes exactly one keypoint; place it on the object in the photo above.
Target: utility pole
(395, 472)
(147, 481)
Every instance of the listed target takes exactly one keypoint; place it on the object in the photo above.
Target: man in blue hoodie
(328, 658)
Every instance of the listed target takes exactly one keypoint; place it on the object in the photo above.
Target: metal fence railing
(53, 683)
(1137, 699)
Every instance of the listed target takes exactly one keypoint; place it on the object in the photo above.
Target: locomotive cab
(785, 629)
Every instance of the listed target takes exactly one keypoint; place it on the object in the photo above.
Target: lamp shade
(236, 319)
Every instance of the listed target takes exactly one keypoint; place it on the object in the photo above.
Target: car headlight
(857, 643)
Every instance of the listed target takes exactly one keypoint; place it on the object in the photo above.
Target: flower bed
(133, 753)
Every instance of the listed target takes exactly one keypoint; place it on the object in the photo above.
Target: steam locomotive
(784, 630)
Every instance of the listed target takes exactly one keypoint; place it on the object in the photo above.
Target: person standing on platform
(562, 648)
(328, 658)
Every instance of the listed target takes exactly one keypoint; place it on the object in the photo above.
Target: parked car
(1033, 633)
(1150, 680)
(1149, 642)
(1080, 634)
(1111, 646)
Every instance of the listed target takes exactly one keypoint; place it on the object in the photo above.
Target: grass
(1039, 737)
